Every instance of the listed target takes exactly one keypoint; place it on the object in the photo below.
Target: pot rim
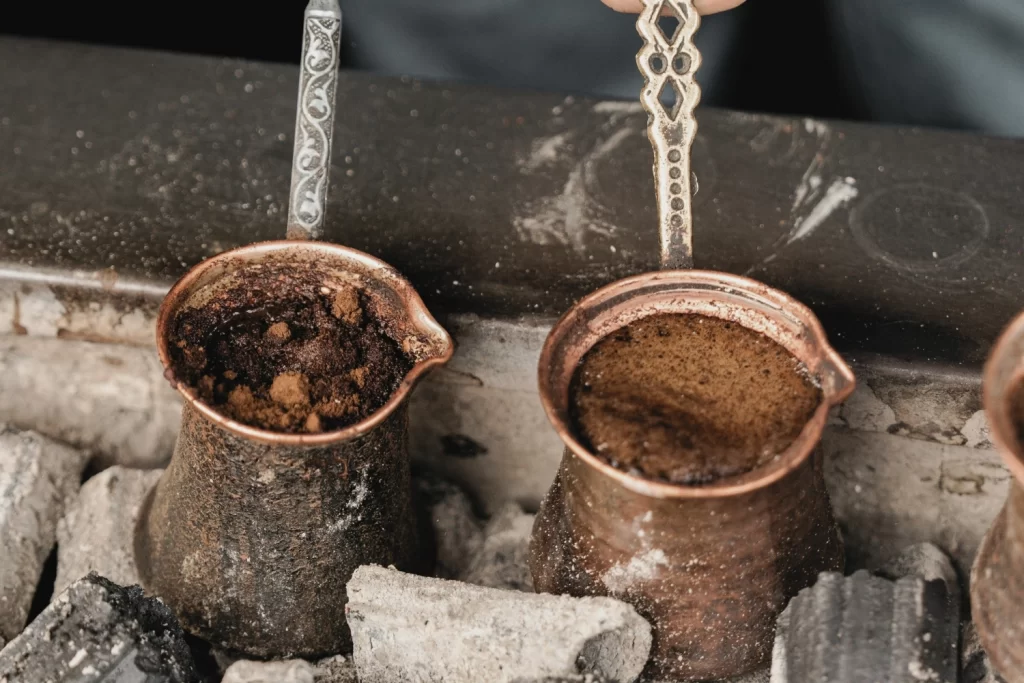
(995, 400)
(839, 387)
(414, 305)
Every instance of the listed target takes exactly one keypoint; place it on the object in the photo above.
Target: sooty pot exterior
(252, 544)
(710, 574)
(997, 578)
(250, 536)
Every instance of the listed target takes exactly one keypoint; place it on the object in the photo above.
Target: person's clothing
(947, 63)
(571, 46)
(950, 63)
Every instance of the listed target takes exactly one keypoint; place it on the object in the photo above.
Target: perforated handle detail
(314, 121)
(668, 64)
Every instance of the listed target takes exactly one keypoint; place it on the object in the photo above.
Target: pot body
(997, 578)
(252, 544)
(250, 536)
(997, 589)
(711, 567)
(710, 574)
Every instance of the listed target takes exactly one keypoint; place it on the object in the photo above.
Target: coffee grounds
(282, 352)
(689, 399)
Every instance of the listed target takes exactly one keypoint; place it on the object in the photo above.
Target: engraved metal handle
(668, 64)
(314, 120)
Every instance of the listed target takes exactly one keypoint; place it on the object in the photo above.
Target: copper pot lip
(996, 404)
(413, 303)
(788, 461)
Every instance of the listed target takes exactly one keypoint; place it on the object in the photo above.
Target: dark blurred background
(945, 63)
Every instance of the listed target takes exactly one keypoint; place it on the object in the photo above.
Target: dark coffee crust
(279, 350)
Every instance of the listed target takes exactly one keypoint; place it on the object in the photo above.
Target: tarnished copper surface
(711, 567)
(997, 579)
(250, 536)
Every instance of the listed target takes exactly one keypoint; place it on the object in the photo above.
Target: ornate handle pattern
(314, 121)
(668, 64)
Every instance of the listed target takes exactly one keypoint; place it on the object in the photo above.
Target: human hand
(703, 6)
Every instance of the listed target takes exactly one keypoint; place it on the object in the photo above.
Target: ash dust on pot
(280, 350)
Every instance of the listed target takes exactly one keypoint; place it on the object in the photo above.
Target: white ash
(491, 553)
(36, 475)
(502, 560)
(98, 528)
(291, 671)
(336, 669)
(621, 577)
(412, 628)
(458, 534)
(99, 631)
(925, 560)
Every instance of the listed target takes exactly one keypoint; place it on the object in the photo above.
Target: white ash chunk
(492, 553)
(457, 532)
(291, 671)
(927, 561)
(335, 669)
(425, 630)
(36, 475)
(107, 399)
(97, 531)
(502, 560)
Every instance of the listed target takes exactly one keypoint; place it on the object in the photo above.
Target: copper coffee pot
(997, 578)
(710, 567)
(251, 535)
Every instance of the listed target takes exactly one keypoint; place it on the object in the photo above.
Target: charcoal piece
(106, 399)
(97, 531)
(336, 669)
(98, 631)
(490, 553)
(414, 628)
(866, 628)
(501, 561)
(37, 474)
(926, 561)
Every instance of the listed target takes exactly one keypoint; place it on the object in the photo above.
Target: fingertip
(625, 6)
(715, 6)
(703, 6)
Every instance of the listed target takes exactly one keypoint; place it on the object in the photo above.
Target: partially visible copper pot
(250, 536)
(710, 567)
(997, 578)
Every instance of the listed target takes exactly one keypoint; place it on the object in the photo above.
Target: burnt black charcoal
(99, 631)
(866, 627)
